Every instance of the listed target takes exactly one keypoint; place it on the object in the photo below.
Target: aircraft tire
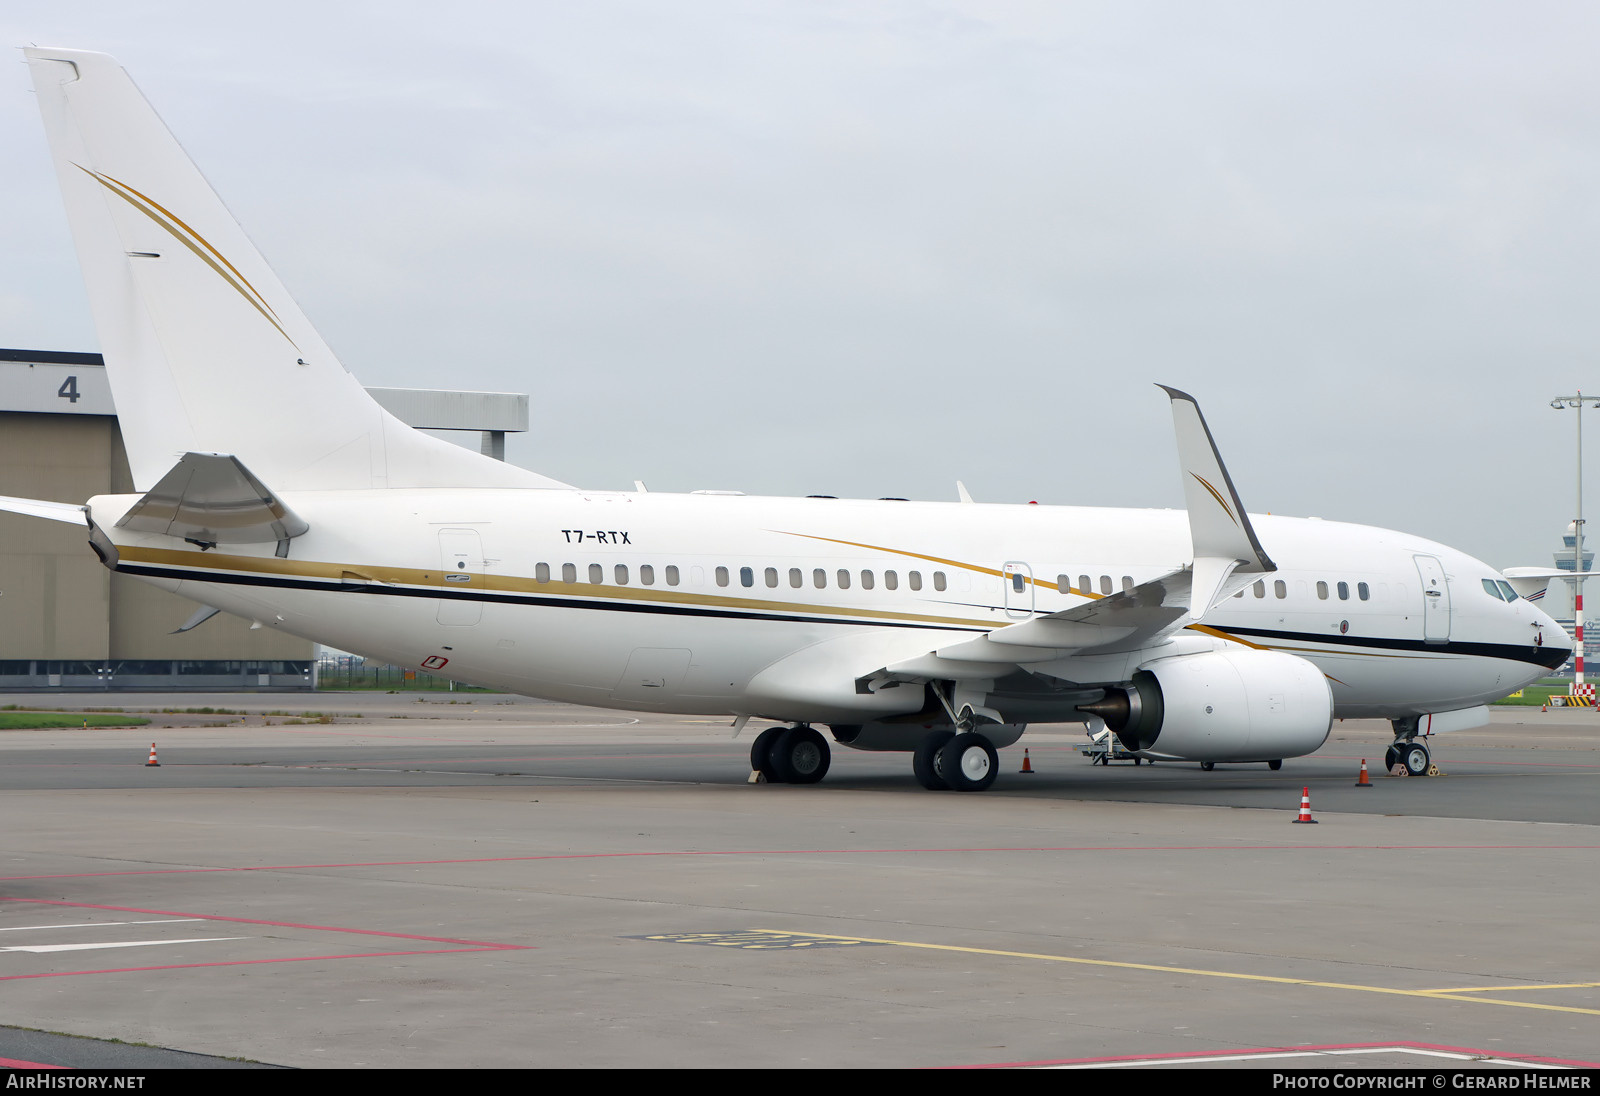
(1207, 766)
(761, 753)
(1275, 765)
(968, 762)
(1391, 758)
(1416, 760)
(925, 760)
(800, 755)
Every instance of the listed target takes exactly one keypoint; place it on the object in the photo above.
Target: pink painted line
(251, 962)
(784, 852)
(477, 945)
(1264, 1051)
(18, 1063)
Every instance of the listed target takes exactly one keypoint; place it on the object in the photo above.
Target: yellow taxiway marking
(1431, 994)
(1503, 989)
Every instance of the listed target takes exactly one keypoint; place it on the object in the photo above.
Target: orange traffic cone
(1363, 782)
(1027, 765)
(1305, 807)
(152, 760)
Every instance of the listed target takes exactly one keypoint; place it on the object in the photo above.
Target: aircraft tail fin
(205, 350)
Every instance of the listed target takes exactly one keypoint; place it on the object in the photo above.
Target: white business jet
(273, 488)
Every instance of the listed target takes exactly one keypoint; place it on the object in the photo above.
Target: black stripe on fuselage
(277, 582)
(1548, 657)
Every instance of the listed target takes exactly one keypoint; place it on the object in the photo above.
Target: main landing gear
(790, 755)
(1407, 750)
(962, 760)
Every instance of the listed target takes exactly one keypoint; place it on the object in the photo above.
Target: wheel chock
(1398, 770)
(757, 777)
(1434, 770)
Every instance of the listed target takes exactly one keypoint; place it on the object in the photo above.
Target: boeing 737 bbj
(272, 487)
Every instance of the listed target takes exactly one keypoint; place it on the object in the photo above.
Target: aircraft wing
(1226, 558)
(1123, 621)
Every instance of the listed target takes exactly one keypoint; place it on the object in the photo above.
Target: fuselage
(678, 602)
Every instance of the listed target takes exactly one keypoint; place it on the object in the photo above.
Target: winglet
(1224, 542)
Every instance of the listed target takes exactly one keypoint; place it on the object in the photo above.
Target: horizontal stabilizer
(211, 498)
(55, 511)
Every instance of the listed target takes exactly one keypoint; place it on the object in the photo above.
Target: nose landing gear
(1407, 749)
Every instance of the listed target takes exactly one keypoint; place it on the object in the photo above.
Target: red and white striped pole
(1578, 575)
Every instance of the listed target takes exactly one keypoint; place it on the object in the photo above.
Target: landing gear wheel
(800, 756)
(1207, 766)
(1415, 758)
(761, 753)
(1391, 757)
(1275, 765)
(925, 760)
(968, 762)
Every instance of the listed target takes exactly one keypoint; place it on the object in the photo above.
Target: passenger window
(1344, 591)
(621, 572)
(541, 572)
(915, 579)
(819, 579)
(569, 572)
(844, 579)
(938, 581)
(672, 574)
(747, 577)
(597, 573)
(866, 580)
(772, 578)
(1494, 591)
(1239, 594)
(1127, 583)
(796, 578)
(1064, 583)
(1085, 585)
(722, 576)
(1260, 588)
(1322, 590)
(647, 574)
(1362, 592)
(1018, 583)
(1105, 585)
(891, 581)
(1509, 590)
(1280, 590)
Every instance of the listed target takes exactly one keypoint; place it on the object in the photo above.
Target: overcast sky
(869, 248)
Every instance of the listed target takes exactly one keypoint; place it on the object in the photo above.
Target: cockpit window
(1494, 590)
(1509, 590)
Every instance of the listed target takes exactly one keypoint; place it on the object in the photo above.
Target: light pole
(1561, 403)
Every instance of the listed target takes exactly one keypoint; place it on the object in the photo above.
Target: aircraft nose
(1552, 635)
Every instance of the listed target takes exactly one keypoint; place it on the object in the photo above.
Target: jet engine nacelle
(1229, 705)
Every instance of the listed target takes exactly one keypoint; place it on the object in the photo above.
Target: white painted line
(42, 948)
(1262, 1056)
(99, 924)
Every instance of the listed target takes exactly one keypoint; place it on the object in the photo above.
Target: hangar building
(66, 622)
